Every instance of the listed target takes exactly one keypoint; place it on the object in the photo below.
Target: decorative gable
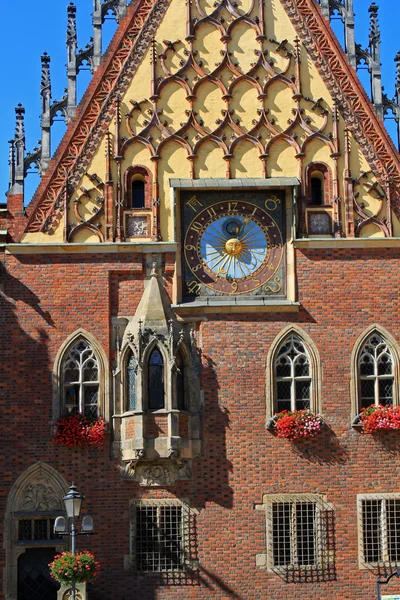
(230, 91)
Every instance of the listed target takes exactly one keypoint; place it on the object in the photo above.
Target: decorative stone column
(65, 592)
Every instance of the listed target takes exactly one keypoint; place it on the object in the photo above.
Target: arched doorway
(33, 503)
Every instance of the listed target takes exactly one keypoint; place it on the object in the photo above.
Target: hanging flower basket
(297, 424)
(80, 431)
(379, 418)
(82, 566)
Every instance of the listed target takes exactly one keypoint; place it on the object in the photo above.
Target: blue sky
(29, 28)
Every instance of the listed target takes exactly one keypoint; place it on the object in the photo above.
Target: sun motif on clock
(232, 247)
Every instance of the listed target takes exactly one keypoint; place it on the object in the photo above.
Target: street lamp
(395, 573)
(73, 502)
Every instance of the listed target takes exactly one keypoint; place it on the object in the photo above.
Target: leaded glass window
(131, 381)
(156, 380)
(80, 373)
(292, 376)
(375, 372)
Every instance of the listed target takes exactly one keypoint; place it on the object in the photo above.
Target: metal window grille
(381, 530)
(375, 372)
(292, 376)
(161, 536)
(300, 533)
(80, 372)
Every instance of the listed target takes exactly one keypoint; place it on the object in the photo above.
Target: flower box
(82, 566)
(296, 424)
(78, 430)
(379, 418)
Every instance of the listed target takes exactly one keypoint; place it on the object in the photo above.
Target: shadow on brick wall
(325, 448)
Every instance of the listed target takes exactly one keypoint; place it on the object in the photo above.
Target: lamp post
(73, 502)
(395, 573)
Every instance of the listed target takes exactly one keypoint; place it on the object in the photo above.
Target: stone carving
(156, 476)
(136, 226)
(40, 496)
(163, 473)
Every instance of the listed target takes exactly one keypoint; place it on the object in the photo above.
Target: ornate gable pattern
(186, 91)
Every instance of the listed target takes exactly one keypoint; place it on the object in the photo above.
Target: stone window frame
(104, 376)
(394, 348)
(188, 516)
(385, 562)
(315, 370)
(324, 542)
(170, 385)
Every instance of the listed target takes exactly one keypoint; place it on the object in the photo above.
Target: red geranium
(296, 424)
(82, 567)
(380, 418)
(78, 430)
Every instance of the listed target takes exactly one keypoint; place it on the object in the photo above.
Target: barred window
(375, 372)
(299, 532)
(80, 374)
(161, 536)
(380, 522)
(292, 375)
(38, 529)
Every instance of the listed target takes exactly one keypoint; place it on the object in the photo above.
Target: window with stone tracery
(80, 380)
(375, 372)
(292, 375)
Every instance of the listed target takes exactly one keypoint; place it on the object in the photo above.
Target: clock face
(233, 245)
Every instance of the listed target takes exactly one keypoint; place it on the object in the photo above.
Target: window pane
(156, 381)
(385, 366)
(303, 395)
(367, 366)
(25, 529)
(71, 374)
(393, 529)
(90, 372)
(72, 399)
(371, 510)
(138, 194)
(302, 367)
(367, 391)
(281, 526)
(386, 391)
(41, 529)
(90, 401)
(316, 191)
(283, 390)
(283, 367)
(306, 533)
(132, 364)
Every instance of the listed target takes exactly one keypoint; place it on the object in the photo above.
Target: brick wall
(341, 292)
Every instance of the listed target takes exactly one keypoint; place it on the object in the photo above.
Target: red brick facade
(341, 293)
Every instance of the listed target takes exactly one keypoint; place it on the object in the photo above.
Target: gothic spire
(45, 92)
(72, 41)
(375, 65)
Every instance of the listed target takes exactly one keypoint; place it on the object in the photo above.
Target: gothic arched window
(292, 375)
(375, 372)
(131, 381)
(80, 377)
(155, 388)
(137, 193)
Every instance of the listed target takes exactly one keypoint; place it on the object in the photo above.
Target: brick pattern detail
(156, 426)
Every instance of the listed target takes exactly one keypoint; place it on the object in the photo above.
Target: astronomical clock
(234, 245)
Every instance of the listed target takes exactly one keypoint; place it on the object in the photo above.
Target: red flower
(297, 424)
(380, 418)
(78, 430)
